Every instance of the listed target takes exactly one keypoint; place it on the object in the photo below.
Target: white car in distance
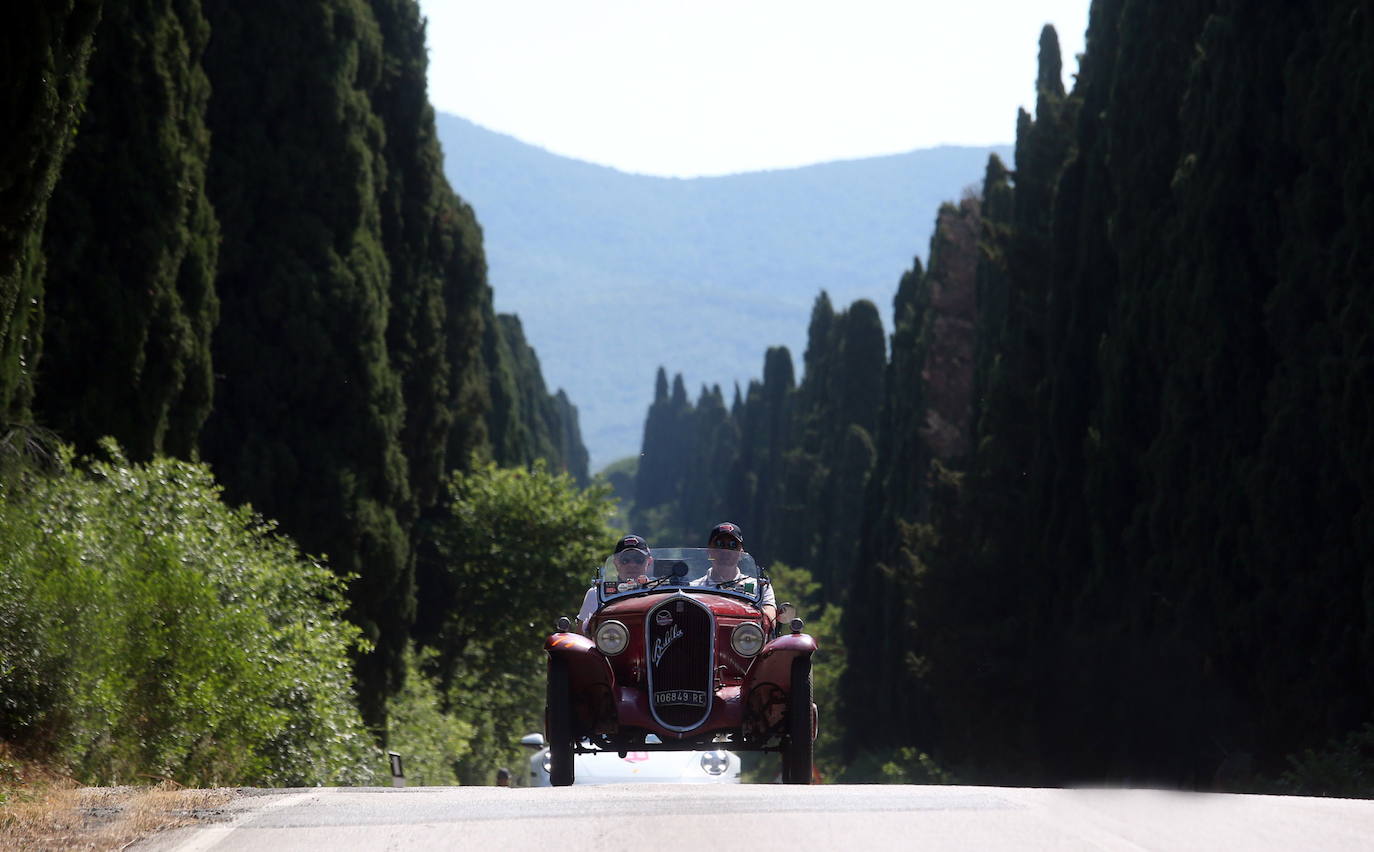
(638, 767)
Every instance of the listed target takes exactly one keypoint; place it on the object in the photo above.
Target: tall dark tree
(525, 422)
(1156, 534)
(652, 484)
(568, 441)
(440, 301)
(131, 243)
(763, 419)
(837, 412)
(44, 50)
(1083, 290)
(926, 417)
(467, 315)
(669, 444)
(768, 425)
(715, 444)
(418, 236)
(308, 411)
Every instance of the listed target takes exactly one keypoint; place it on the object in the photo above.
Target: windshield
(671, 569)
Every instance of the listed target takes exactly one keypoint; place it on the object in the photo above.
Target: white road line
(207, 838)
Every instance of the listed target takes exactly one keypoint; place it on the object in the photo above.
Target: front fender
(591, 682)
(773, 665)
(768, 683)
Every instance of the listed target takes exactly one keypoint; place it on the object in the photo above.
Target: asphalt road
(661, 818)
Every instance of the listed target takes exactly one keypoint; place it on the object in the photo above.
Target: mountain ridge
(707, 271)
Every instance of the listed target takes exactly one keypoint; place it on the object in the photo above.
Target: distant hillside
(614, 274)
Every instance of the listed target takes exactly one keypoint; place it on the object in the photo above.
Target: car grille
(680, 648)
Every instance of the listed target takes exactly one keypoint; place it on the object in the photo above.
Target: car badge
(662, 643)
(610, 587)
(664, 617)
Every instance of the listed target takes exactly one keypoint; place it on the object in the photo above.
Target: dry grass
(41, 809)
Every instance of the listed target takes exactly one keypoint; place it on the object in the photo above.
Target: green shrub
(429, 740)
(516, 549)
(1345, 767)
(168, 635)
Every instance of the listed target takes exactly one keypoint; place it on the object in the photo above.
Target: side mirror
(564, 624)
(532, 740)
(785, 610)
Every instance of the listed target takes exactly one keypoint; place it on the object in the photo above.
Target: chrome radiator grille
(680, 644)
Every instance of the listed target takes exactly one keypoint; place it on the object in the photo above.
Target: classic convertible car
(683, 652)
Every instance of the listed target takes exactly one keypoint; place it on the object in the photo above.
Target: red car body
(681, 675)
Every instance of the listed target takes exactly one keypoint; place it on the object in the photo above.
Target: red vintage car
(683, 651)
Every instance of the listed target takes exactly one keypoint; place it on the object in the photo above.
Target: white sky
(711, 87)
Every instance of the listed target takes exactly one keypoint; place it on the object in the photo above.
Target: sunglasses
(727, 544)
(630, 559)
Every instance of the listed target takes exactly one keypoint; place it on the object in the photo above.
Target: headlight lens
(715, 762)
(747, 639)
(612, 638)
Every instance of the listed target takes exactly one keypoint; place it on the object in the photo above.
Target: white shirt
(588, 607)
(745, 584)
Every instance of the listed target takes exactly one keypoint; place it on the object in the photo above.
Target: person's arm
(770, 603)
(588, 607)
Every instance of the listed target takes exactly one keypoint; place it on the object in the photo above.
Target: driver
(632, 561)
(727, 545)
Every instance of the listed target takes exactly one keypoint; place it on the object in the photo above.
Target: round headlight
(747, 639)
(715, 762)
(612, 638)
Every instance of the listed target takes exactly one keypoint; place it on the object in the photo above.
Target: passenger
(727, 545)
(632, 561)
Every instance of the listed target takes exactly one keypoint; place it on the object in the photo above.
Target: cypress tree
(44, 50)
(131, 243)
(926, 415)
(816, 368)
(525, 422)
(846, 418)
(417, 227)
(569, 444)
(715, 444)
(467, 315)
(440, 301)
(767, 434)
(1077, 650)
(743, 481)
(1319, 317)
(1247, 514)
(652, 486)
(308, 413)
(666, 463)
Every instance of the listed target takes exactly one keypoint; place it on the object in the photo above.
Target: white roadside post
(398, 776)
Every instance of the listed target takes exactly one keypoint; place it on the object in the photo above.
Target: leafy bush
(430, 741)
(164, 634)
(822, 618)
(515, 550)
(1344, 768)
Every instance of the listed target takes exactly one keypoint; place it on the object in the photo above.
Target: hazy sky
(711, 87)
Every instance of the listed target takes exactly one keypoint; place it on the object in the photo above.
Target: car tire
(799, 752)
(559, 723)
